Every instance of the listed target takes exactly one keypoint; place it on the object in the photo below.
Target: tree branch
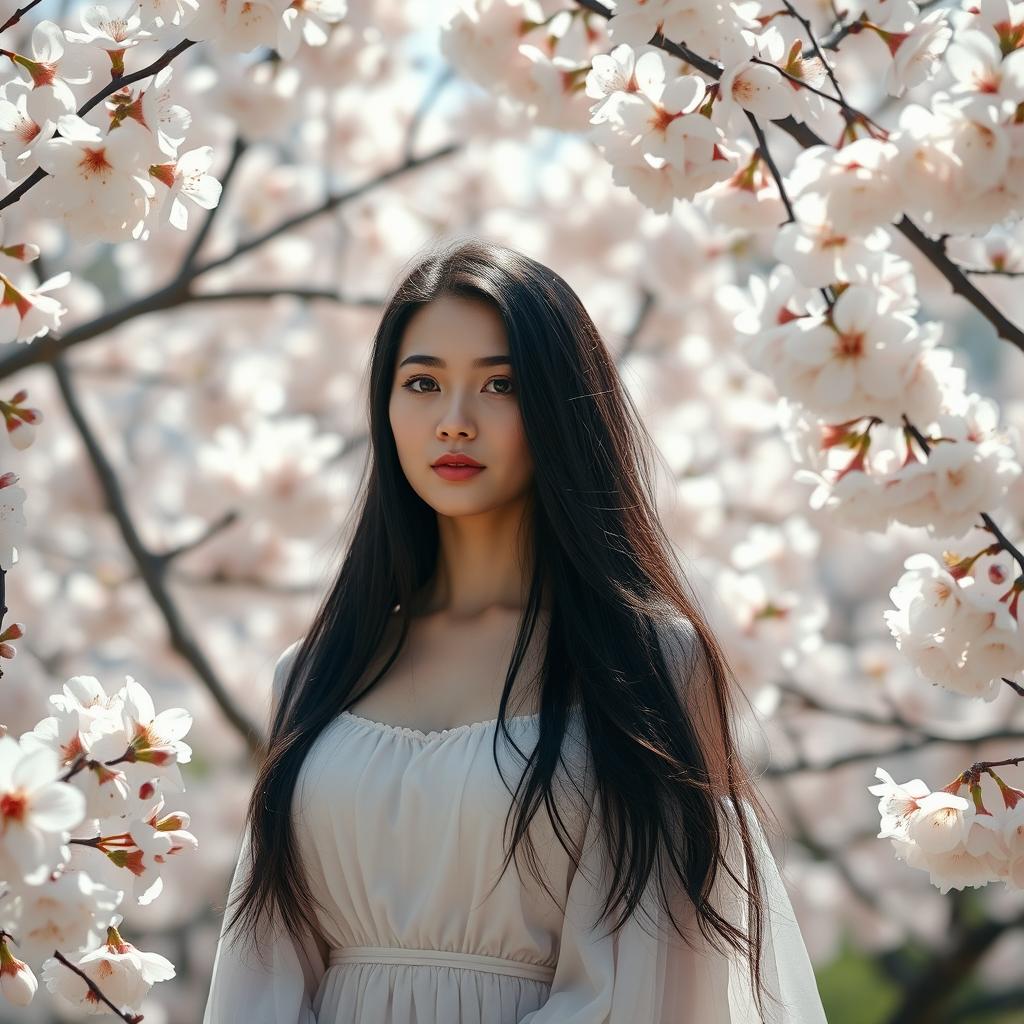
(115, 83)
(801, 133)
(152, 568)
(178, 292)
(18, 15)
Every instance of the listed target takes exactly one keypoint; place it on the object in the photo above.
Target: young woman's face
(441, 401)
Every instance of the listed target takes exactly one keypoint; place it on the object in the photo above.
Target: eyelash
(412, 380)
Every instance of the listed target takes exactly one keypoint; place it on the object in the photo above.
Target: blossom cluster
(94, 141)
(959, 842)
(686, 103)
(83, 827)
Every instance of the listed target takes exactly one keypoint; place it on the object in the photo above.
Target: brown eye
(408, 385)
(503, 380)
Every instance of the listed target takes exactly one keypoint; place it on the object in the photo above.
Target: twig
(134, 1018)
(991, 272)
(647, 304)
(328, 205)
(116, 83)
(247, 294)
(817, 50)
(18, 15)
(801, 764)
(237, 149)
(428, 99)
(1004, 542)
(762, 146)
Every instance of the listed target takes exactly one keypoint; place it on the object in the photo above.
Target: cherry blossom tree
(798, 225)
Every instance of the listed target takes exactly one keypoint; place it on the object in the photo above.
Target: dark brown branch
(18, 15)
(201, 235)
(1004, 542)
(178, 292)
(801, 764)
(247, 294)
(801, 133)
(930, 994)
(134, 1018)
(817, 51)
(766, 156)
(115, 83)
(229, 518)
(428, 99)
(961, 285)
(328, 205)
(152, 569)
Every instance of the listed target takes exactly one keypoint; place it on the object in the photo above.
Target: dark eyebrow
(434, 361)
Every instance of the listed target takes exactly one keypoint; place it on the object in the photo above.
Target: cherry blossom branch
(18, 15)
(780, 183)
(178, 292)
(813, 703)
(1001, 539)
(841, 31)
(134, 1018)
(646, 306)
(935, 253)
(762, 147)
(237, 149)
(246, 294)
(427, 101)
(115, 83)
(991, 271)
(328, 205)
(817, 52)
(152, 569)
(925, 739)
(932, 250)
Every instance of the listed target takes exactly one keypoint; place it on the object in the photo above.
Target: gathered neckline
(409, 731)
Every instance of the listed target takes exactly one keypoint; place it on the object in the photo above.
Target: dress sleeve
(241, 987)
(637, 977)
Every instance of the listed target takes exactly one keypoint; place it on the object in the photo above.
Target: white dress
(400, 832)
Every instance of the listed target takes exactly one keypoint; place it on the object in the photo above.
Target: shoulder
(281, 669)
(681, 645)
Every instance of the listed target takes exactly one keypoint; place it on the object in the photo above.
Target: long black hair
(659, 728)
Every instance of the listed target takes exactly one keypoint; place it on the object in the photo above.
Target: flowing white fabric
(400, 832)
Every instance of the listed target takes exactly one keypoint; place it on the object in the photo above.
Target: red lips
(456, 459)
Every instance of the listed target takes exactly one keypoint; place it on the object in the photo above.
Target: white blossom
(36, 811)
(123, 973)
(916, 53)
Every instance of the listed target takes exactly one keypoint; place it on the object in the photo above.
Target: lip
(457, 472)
(451, 458)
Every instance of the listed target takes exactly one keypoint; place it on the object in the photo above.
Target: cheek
(516, 450)
(403, 421)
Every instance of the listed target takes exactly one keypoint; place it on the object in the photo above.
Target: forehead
(456, 329)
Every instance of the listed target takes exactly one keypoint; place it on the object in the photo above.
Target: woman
(536, 579)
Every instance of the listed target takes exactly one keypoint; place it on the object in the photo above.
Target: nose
(455, 421)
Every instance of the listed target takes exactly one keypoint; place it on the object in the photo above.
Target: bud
(17, 982)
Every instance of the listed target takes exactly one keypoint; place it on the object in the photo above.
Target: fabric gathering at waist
(440, 958)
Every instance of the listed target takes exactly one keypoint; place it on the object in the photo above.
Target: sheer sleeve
(643, 975)
(281, 991)
(639, 976)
